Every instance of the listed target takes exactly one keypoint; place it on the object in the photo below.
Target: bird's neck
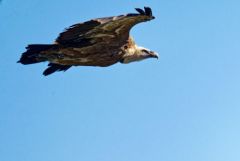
(132, 54)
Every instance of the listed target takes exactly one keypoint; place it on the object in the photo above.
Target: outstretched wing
(114, 28)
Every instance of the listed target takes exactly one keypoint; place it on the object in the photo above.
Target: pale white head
(137, 53)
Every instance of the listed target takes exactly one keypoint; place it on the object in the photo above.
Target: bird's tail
(32, 55)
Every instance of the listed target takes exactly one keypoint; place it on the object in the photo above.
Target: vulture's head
(138, 53)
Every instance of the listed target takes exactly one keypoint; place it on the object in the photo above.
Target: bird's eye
(145, 51)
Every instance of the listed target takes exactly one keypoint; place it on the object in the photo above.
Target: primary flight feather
(98, 42)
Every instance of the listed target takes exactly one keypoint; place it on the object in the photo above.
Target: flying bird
(98, 42)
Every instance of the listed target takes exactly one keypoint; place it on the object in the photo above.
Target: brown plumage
(98, 42)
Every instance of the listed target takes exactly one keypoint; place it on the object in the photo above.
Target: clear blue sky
(183, 107)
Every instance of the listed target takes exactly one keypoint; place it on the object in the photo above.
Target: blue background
(183, 107)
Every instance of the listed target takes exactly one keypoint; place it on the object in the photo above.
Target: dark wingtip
(55, 68)
(140, 11)
(45, 74)
(148, 11)
(51, 69)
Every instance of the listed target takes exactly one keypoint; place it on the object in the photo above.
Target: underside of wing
(114, 28)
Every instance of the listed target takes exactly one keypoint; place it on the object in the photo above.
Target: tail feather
(32, 55)
(55, 68)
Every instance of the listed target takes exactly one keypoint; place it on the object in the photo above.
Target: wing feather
(98, 29)
(140, 11)
(74, 32)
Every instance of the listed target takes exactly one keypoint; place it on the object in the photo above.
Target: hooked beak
(154, 55)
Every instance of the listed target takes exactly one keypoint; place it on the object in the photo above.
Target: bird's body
(99, 42)
(94, 55)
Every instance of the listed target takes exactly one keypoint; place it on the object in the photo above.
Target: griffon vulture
(98, 42)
